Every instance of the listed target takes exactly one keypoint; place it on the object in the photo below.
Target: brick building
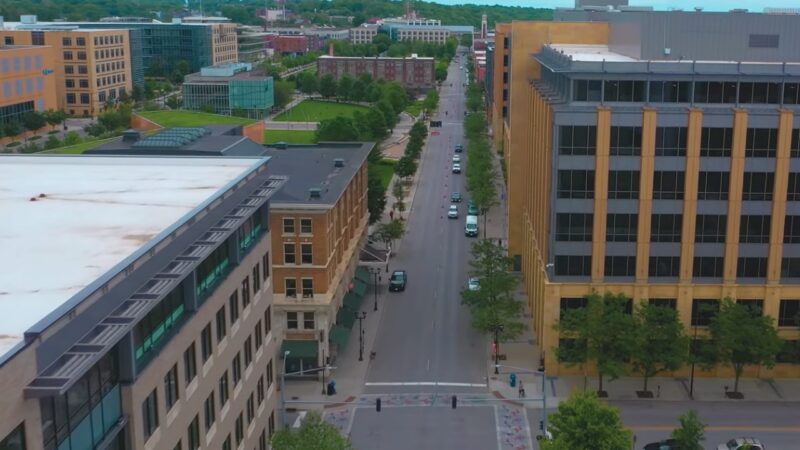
(412, 72)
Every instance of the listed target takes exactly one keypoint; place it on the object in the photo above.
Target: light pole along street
(375, 271)
(497, 330)
(360, 317)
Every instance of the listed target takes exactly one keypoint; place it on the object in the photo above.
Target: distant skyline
(707, 5)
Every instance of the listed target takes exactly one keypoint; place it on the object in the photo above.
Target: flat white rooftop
(96, 211)
(585, 52)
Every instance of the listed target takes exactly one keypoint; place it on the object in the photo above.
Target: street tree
(390, 231)
(691, 432)
(397, 191)
(54, 117)
(405, 167)
(389, 115)
(313, 434)
(431, 100)
(742, 338)
(582, 422)
(307, 83)
(344, 89)
(33, 120)
(283, 93)
(337, 129)
(603, 329)
(660, 344)
(327, 86)
(376, 195)
(494, 308)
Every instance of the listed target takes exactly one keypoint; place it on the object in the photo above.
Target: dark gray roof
(218, 140)
(312, 167)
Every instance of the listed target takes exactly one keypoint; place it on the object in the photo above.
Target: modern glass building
(230, 89)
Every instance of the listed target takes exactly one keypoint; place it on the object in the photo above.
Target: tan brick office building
(667, 169)
(319, 222)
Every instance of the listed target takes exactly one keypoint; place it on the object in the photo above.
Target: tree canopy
(582, 422)
(313, 434)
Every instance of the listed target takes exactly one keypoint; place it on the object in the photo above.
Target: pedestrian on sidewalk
(521, 390)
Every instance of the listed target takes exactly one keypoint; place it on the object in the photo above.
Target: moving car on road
(459, 148)
(452, 212)
(455, 197)
(456, 158)
(456, 168)
(472, 210)
(743, 443)
(668, 444)
(398, 281)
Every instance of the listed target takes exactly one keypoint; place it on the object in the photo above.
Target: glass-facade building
(229, 91)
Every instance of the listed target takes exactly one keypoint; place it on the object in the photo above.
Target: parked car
(473, 285)
(455, 197)
(742, 443)
(472, 210)
(456, 158)
(456, 168)
(398, 281)
(452, 212)
(459, 148)
(667, 444)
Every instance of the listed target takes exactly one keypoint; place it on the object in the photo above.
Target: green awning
(359, 287)
(346, 317)
(352, 301)
(362, 274)
(300, 349)
(339, 335)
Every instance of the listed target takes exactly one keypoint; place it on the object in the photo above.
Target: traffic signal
(378, 405)
(454, 402)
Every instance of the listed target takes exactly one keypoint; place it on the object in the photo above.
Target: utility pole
(497, 330)
(361, 316)
(375, 271)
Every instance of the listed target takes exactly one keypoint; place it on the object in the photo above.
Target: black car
(459, 148)
(398, 281)
(668, 444)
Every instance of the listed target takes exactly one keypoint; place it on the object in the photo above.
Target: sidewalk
(395, 145)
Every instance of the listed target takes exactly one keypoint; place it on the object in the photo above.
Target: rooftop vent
(28, 19)
(130, 136)
(338, 162)
(315, 193)
(281, 145)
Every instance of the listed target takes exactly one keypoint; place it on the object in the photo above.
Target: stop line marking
(424, 383)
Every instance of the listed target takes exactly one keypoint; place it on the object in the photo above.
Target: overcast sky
(708, 5)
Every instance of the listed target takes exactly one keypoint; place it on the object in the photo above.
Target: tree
(327, 86)
(54, 117)
(374, 124)
(389, 115)
(337, 129)
(307, 83)
(602, 331)
(391, 231)
(174, 102)
(12, 128)
(431, 100)
(743, 338)
(691, 433)
(376, 194)
(660, 344)
(345, 87)
(466, 40)
(283, 93)
(33, 120)
(358, 19)
(382, 41)
(313, 434)
(405, 167)
(582, 422)
(396, 95)
(181, 69)
(495, 309)
(52, 142)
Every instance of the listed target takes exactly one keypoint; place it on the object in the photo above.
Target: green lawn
(385, 170)
(78, 148)
(316, 111)
(290, 136)
(170, 119)
(414, 108)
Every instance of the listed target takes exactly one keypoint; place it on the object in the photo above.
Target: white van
(471, 226)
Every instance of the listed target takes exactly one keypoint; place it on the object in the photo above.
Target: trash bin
(332, 387)
(512, 379)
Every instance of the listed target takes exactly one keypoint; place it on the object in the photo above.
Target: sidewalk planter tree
(605, 329)
(376, 195)
(391, 231)
(660, 344)
(405, 167)
(313, 434)
(582, 422)
(33, 120)
(327, 86)
(691, 433)
(743, 338)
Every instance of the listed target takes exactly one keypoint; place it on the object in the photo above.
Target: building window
(583, 90)
(171, 394)
(233, 306)
(751, 268)
(790, 352)
(290, 287)
(69, 83)
(761, 143)
(71, 98)
(708, 267)
(621, 227)
(576, 184)
(256, 278)
(623, 91)
(793, 190)
(67, 56)
(239, 430)
(307, 285)
(664, 266)
(251, 409)
(664, 302)
(789, 313)
(288, 254)
(150, 414)
(224, 392)
(754, 229)
(82, 70)
(759, 93)
(209, 411)
(245, 292)
(291, 320)
(82, 56)
(670, 91)
(259, 337)
(248, 351)
(790, 93)
(226, 444)
(790, 268)
(84, 99)
(570, 303)
(758, 186)
(190, 363)
(715, 92)
(222, 325)
(626, 141)
(80, 41)
(620, 266)
(308, 321)
(305, 226)
(671, 141)
(703, 310)
(713, 185)
(716, 142)
(236, 369)
(623, 184)
(573, 265)
(666, 227)
(791, 230)
(268, 320)
(574, 227)
(194, 433)
(265, 266)
(288, 225)
(69, 69)
(306, 254)
(668, 185)
(15, 440)
(260, 390)
(711, 228)
(206, 346)
(66, 42)
(577, 140)
(8, 40)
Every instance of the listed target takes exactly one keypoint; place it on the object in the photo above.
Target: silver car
(452, 212)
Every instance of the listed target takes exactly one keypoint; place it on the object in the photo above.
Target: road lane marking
(429, 365)
(424, 383)
(788, 429)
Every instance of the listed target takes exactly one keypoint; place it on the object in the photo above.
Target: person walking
(521, 390)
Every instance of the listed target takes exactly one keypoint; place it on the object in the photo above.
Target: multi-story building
(27, 82)
(223, 38)
(252, 44)
(287, 44)
(363, 34)
(92, 67)
(413, 72)
(654, 154)
(155, 328)
(424, 33)
(319, 222)
(229, 88)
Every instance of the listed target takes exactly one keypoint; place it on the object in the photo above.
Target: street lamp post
(375, 271)
(497, 330)
(283, 388)
(694, 358)
(361, 316)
